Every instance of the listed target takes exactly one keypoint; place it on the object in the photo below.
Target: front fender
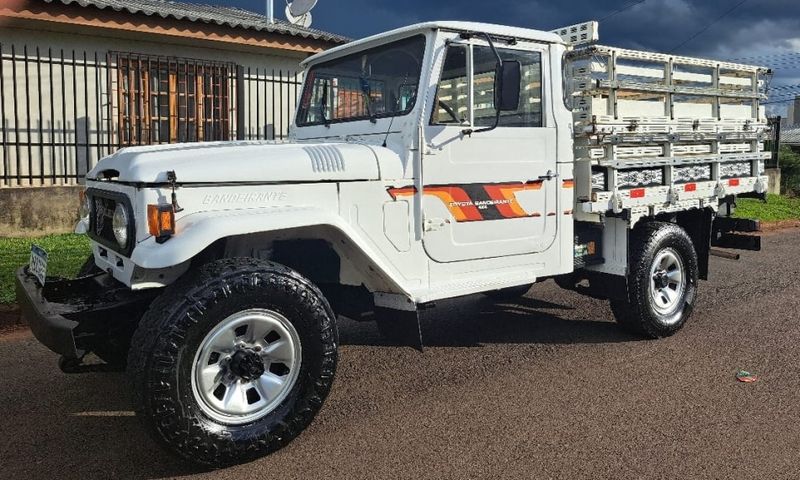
(197, 231)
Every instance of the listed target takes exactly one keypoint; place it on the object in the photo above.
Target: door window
(452, 98)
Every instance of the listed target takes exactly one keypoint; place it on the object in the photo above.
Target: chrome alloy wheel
(667, 282)
(246, 366)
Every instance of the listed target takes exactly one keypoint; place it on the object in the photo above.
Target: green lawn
(66, 254)
(776, 209)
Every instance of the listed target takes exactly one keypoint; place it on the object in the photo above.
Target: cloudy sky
(766, 32)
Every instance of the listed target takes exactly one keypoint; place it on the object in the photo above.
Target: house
(80, 79)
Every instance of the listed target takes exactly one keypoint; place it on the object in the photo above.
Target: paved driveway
(547, 387)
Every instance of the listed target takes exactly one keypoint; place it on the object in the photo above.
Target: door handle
(549, 176)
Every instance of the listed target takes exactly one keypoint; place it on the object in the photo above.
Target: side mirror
(509, 77)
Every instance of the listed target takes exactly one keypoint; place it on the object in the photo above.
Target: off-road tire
(164, 346)
(508, 294)
(637, 312)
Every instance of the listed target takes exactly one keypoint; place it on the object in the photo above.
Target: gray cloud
(755, 29)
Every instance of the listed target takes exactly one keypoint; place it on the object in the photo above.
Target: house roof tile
(213, 14)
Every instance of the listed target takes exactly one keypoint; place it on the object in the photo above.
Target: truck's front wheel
(662, 283)
(234, 361)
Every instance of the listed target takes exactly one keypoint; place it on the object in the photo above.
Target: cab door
(488, 194)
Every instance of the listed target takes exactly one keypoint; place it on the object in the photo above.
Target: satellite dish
(303, 20)
(301, 7)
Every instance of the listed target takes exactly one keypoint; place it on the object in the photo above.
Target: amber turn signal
(161, 221)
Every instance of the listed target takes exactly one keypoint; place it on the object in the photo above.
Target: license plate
(38, 264)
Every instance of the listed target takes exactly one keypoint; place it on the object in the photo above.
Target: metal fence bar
(86, 122)
(110, 109)
(204, 100)
(28, 114)
(6, 166)
(64, 116)
(16, 111)
(41, 120)
(52, 132)
(272, 85)
(74, 113)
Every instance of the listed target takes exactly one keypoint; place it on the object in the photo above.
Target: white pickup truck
(435, 161)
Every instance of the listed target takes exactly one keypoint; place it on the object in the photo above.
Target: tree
(789, 161)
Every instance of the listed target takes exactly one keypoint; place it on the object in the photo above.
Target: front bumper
(72, 317)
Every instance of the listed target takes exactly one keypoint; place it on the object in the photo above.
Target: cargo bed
(656, 133)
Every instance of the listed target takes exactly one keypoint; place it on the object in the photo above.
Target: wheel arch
(302, 239)
(697, 224)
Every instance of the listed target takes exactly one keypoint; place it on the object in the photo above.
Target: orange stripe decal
(505, 197)
(476, 202)
(457, 201)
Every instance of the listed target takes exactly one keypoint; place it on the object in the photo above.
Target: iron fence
(61, 111)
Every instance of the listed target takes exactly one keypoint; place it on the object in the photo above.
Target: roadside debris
(746, 377)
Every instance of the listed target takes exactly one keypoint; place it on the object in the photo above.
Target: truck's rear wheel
(662, 283)
(233, 362)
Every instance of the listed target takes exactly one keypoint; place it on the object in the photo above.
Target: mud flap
(414, 328)
(724, 234)
(400, 326)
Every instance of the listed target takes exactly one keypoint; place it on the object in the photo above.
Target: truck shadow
(477, 320)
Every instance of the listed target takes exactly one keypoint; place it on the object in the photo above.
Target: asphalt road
(547, 387)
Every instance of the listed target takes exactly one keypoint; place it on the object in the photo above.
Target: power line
(615, 12)
(702, 30)
(768, 56)
(785, 87)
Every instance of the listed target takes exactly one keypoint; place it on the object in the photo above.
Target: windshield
(376, 83)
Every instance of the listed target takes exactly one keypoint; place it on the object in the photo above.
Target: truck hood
(217, 162)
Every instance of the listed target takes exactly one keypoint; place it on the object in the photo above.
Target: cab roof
(491, 29)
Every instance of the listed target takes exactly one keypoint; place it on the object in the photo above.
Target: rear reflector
(637, 193)
(690, 187)
(734, 182)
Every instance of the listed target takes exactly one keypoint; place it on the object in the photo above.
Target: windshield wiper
(366, 90)
(323, 104)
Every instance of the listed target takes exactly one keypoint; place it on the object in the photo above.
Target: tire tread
(155, 346)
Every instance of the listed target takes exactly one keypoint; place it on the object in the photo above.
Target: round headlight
(120, 225)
